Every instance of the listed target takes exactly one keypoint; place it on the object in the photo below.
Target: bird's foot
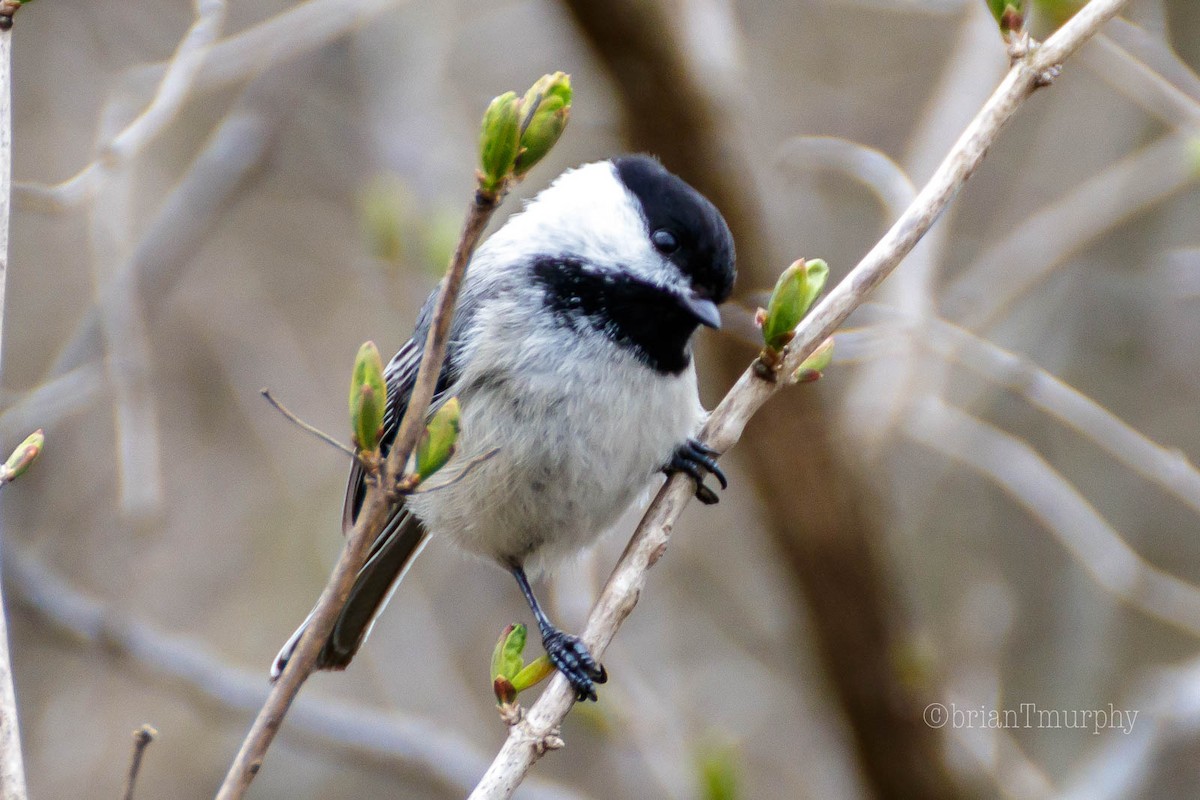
(696, 459)
(573, 659)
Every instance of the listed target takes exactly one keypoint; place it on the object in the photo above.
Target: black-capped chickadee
(571, 355)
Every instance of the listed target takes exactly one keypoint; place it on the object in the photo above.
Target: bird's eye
(664, 241)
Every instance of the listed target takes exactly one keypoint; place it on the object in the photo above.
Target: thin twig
(373, 515)
(12, 767)
(421, 488)
(525, 741)
(142, 738)
(480, 211)
(304, 426)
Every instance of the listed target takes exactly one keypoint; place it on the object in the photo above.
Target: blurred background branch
(393, 743)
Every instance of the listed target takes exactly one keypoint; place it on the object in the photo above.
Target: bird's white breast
(577, 434)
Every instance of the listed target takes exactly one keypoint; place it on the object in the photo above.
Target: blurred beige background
(992, 538)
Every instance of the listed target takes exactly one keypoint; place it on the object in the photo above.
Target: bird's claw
(571, 657)
(695, 459)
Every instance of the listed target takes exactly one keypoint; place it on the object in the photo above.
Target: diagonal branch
(525, 742)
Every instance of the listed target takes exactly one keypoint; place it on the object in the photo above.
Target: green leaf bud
(815, 365)
(546, 109)
(438, 441)
(23, 457)
(794, 293)
(783, 312)
(507, 656)
(499, 141)
(368, 398)
(533, 673)
(1009, 14)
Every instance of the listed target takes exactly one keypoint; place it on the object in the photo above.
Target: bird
(571, 355)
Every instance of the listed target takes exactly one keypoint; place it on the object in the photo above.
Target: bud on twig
(23, 457)
(506, 657)
(518, 133)
(499, 142)
(545, 110)
(438, 441)
(1009, 14)
(815, 365)
(794, 293)
(368, 398)
(506, 663)
(7, 9)
(533, 673)
(510, 675)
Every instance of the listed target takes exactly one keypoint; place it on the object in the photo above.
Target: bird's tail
(390, 557)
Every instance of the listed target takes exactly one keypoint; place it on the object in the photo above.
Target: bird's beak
(704, 310)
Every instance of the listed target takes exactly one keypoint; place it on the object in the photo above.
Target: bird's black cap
(704, 247)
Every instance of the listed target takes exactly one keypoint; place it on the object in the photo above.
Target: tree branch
(524, 744)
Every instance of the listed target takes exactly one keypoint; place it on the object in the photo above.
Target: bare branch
(142, 738)
(186, 216)
(523, 745)
(200, 64)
